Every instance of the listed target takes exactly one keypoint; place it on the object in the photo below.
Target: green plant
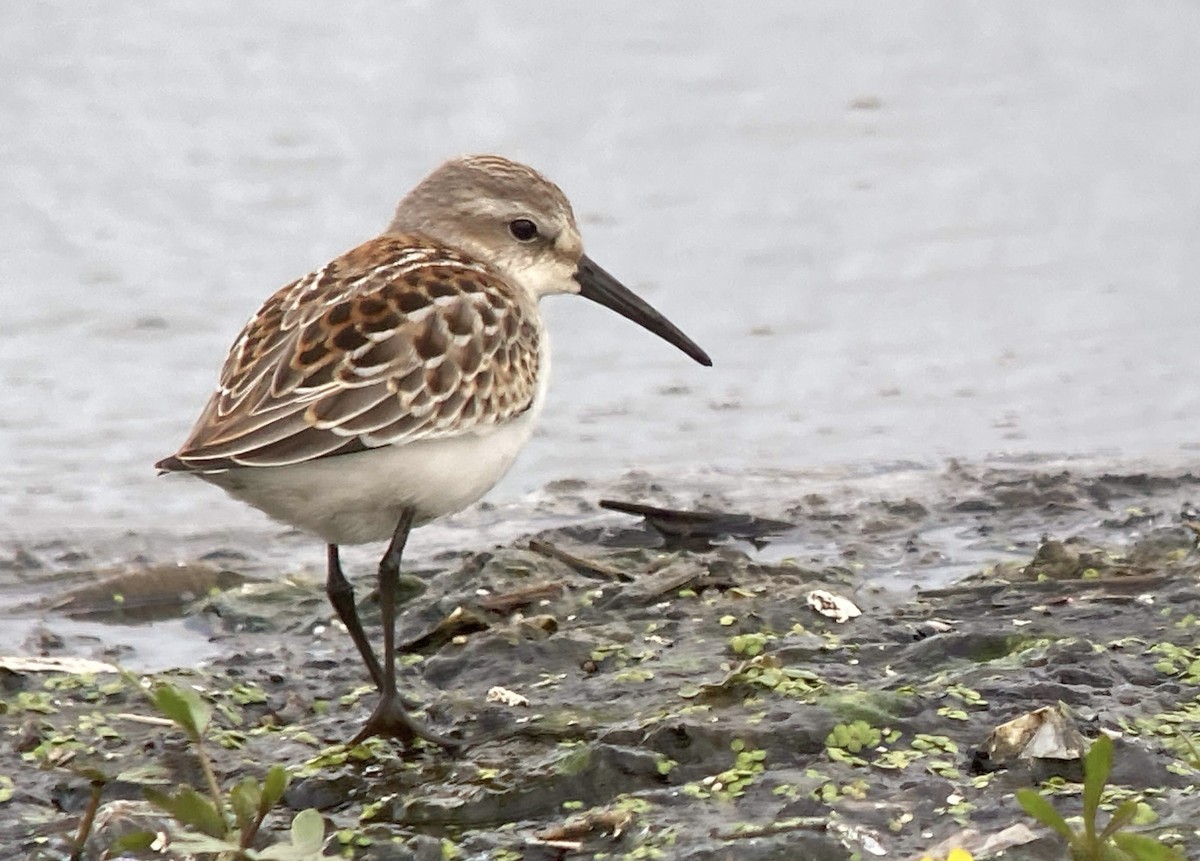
(213, 825)
(1092, 843)
(76, 754)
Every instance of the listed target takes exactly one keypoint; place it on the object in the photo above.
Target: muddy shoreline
(684, 700)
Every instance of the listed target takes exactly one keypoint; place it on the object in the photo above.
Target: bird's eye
(523, 230)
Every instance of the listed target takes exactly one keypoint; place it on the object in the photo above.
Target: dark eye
(523, 230)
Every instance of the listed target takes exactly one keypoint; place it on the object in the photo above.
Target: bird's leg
(341, 596)
(391, 718)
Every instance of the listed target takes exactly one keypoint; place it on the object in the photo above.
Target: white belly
(356, 498)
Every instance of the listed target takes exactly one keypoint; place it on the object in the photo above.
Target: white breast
(356, 498)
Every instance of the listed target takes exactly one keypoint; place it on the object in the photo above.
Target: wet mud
(681, 681)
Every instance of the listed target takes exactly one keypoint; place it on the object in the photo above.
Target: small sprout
(1091, 841)
(749, 644)
(853, 737)
(633, 674)
(35, 701)
(189, 808)
(185, 707)
(943, 768)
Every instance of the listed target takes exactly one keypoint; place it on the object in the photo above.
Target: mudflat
(653, 687)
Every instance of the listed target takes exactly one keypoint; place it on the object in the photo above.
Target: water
(904, 232)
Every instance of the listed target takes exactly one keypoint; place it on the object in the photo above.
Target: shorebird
(396, 384)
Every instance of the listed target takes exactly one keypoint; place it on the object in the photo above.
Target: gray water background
(904, 232)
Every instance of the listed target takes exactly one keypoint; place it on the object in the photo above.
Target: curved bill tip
(604, 289)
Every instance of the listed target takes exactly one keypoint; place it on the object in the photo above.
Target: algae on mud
(696, 707)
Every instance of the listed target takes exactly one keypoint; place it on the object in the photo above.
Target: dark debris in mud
(683, 698)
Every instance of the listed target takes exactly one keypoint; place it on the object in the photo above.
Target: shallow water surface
(903, 232)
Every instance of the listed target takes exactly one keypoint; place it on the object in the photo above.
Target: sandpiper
(396, 384)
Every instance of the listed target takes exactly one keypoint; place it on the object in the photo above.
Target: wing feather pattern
(398, 340)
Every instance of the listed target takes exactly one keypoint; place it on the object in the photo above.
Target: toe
(391, 720)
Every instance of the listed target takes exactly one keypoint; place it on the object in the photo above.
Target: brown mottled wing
(400, 339)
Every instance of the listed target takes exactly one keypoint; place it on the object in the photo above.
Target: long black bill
(599, 286)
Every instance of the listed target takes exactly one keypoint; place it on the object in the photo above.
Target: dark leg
(391, 718)
(341, 596)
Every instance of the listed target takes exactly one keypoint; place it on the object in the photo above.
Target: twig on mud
(672, 582)
(610, 821)
(1132, 583)
(796, 823)
(698, 580)
(146, 719)
(587, 567)
(518, 598)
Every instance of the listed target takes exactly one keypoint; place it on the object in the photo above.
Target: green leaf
(1145, 848)
(138, 841)
(1043, 811)
(189, 843)
(1121, 817)
(308, 831)
(161, 800)
(245, 798)
(1096, 767)
(308, 840)
(185, 707)
(274, 785)
(189, 808)
(168, 701)
(1102, 852)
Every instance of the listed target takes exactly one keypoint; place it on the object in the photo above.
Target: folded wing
(398, 340)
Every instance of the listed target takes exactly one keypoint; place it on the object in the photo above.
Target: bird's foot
(392, 720)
